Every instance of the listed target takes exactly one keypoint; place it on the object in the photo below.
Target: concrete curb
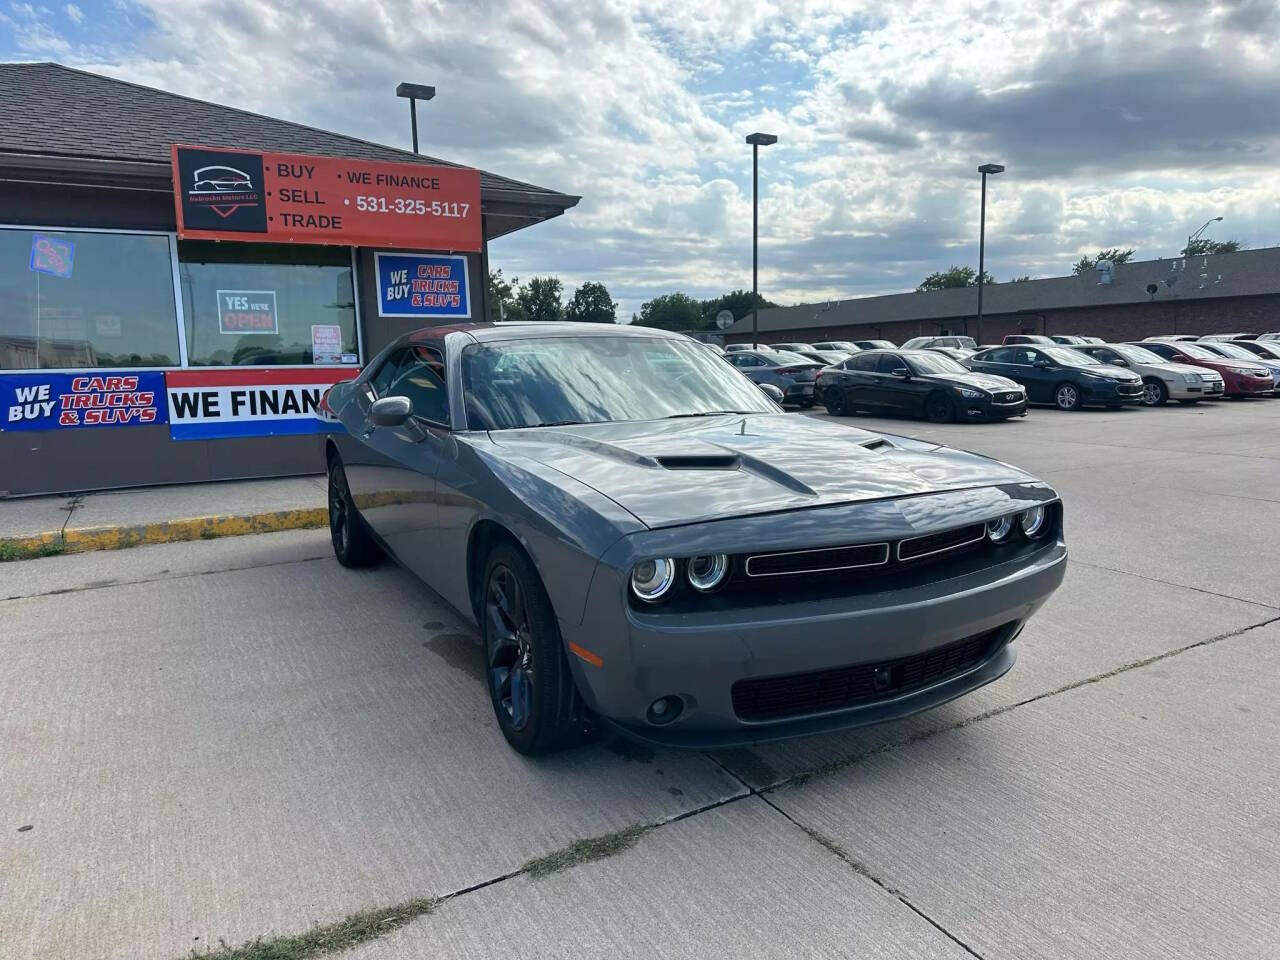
(118, 537)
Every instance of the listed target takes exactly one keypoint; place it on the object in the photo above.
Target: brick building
(1223, 293)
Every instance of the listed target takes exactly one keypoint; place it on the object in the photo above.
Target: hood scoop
(876, 443)
(700, 462)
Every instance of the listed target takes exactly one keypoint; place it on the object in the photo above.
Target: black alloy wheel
(534, 697)
(833, 400)
(938, 408)
(352, 543)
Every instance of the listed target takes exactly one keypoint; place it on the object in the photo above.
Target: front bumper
(1111, 393)
(1248, 386)
(698, 657)
(991, 408)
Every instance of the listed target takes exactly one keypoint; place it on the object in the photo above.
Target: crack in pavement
(1174, 583)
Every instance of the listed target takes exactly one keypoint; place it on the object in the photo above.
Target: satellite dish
(724, 319)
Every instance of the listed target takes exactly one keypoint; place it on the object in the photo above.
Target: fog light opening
(664, 710)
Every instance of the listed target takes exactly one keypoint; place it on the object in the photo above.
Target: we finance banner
(239, 402)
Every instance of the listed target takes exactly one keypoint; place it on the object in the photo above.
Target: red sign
(292, 198)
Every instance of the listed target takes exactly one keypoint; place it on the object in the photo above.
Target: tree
(1114, 254)
(671, 311)
(1022, 279)
(955, 277)
(1208, 247)
(739, 303)
(591, 303)
(540, 299)
(501, 299)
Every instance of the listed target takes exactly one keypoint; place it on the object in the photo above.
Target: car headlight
(1193, 377)
(1033, 522)
(998, 530)
(706, 573)
(1242, 371)
(1210, 377)
(650, 579)
(970, 394)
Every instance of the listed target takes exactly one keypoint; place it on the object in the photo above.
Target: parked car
(1068, 339)
(713, 346)
(791, 373)
(1212, 337)
(736, 347)
(875, 344)
(1061, 375)
(806, 577)
(918, 383)
(791, 347)
(1269, 336)
(1239, 378)
(1087, 339)
(1235, 351)
(924, 343)
(1161, 379)
(842, 346)
(1027, 338)
(1171, 338)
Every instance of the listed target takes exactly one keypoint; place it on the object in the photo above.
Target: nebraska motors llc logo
(222, 191)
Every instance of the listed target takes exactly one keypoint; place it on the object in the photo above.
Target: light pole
(1196, 236)
(414, 92)
(757, 140)
(986, 168)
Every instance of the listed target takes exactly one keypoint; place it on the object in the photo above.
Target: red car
(1240, 378)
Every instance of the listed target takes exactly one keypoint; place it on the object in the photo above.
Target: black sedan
(642, 538)
(791, 373)
(1062, 376)
(918, 383)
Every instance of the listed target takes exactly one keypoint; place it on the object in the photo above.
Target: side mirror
(902, 373)
(772, 392)
(390, 411)
(1119, 362)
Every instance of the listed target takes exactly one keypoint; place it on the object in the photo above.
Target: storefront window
(267, 304)
(75, 299)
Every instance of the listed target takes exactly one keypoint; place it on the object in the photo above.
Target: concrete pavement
(238, 738)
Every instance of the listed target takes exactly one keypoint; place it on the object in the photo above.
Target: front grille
(934, 543)
(1129, 389)
(762, 699)
(817, 561)
(1008, 397)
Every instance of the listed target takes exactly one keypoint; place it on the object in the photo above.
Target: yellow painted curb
(171, 531)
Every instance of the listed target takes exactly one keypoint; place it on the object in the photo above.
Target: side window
(865, 362)
(999, 355)
(1025, 357)
(1159, 349)
(382, 380)
(421, 378)
(889, 362)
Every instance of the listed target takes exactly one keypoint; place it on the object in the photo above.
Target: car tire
(1066, 396)
(535, 700)
(1154, 392)
(353, 544)
(833, 400)
(939, 408)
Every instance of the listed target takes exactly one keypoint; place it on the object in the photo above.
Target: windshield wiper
(707, 413)
(554, 423)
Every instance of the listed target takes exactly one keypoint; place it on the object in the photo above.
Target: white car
(1162, 380)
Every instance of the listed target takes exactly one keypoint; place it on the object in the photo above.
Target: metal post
(982, 252)
(413, 120)
(755, 224)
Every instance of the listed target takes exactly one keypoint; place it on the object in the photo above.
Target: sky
(1120, 123)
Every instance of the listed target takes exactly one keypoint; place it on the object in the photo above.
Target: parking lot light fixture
(1196, 236)
(757, 140)
(413, 92)
(985, 169)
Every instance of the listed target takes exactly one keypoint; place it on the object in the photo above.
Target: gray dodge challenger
(646, 540)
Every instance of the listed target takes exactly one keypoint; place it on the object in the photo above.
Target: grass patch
(326, 938)
(10, 550)
(585, 851)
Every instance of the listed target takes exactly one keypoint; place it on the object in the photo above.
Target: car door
(858, 381)
(997, 361)
(901, 394)
(399, 497)
(1038, 371)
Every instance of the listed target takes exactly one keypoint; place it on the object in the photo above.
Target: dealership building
(180, 281)
(1222, 293)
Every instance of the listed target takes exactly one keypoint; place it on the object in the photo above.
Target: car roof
(533, 330)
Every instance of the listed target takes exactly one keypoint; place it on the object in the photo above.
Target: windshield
(1232, 350)
(1072, 358)
(927, 363)
(1138, 355)
(1271, 350)
(784, 358)
(538, 382)
(1200, 353)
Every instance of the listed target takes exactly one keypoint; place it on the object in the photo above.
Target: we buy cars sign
(224, 194)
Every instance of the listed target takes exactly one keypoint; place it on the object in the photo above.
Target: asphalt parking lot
(224, 740)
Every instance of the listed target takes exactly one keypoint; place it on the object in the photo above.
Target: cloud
(1121, 123)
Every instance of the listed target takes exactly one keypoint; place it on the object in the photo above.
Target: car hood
(1172, 367)
(1110, 370)
(982, 381)
(673, 472)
